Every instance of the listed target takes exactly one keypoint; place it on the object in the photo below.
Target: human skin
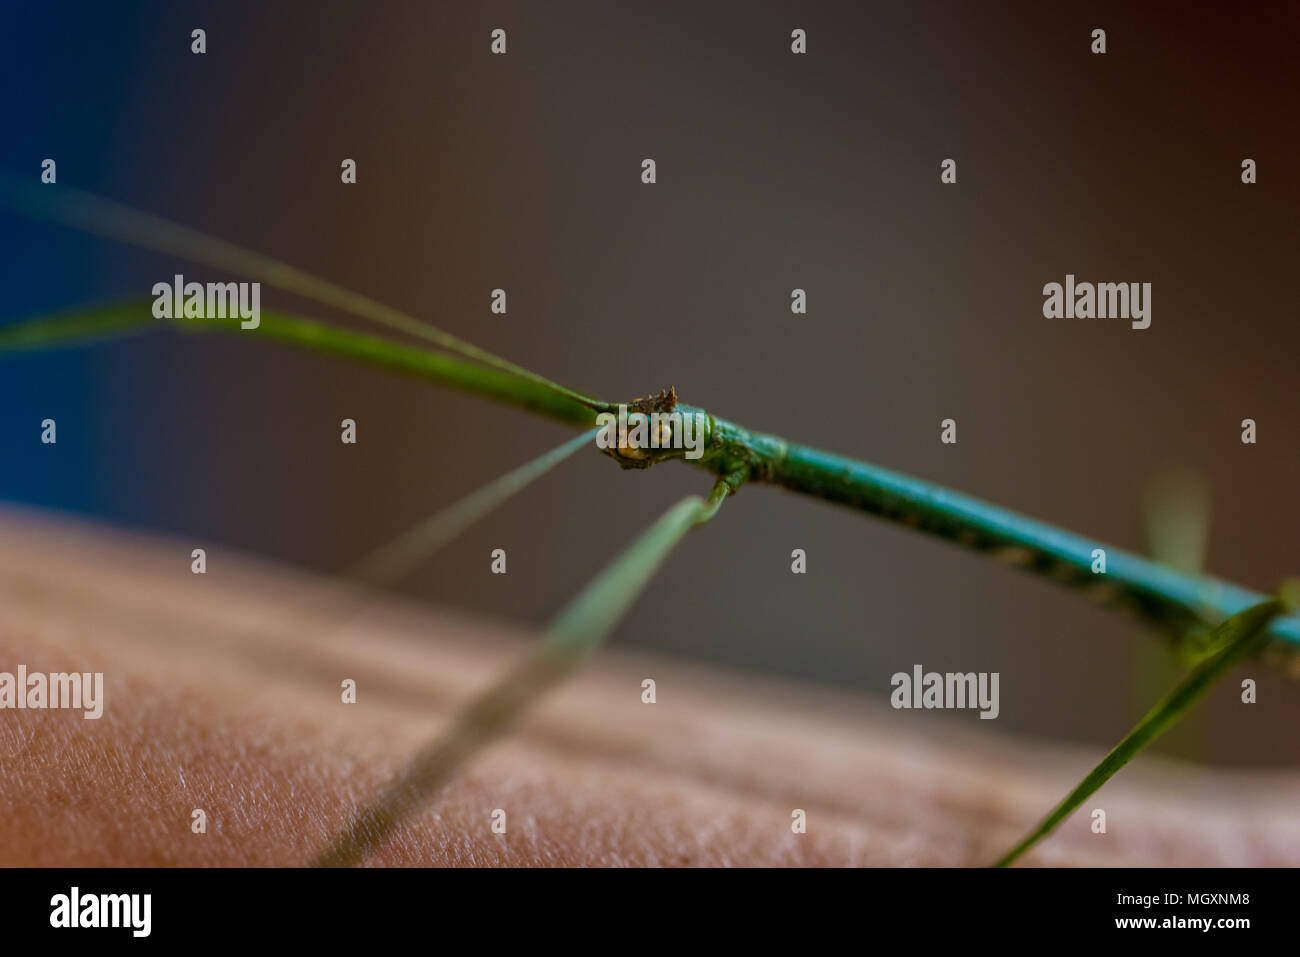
(223, 693)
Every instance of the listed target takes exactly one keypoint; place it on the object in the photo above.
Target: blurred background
(775, 171)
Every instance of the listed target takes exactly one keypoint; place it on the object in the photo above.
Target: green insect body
(1187, 605)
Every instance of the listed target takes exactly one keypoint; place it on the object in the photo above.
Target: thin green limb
(1240, 636)
(82, 326)
(448, 370)
(580, 628)
(392, 562)
(1176, 506)
(114, 220)
(347, 595)
(494, 384)
(571, 638)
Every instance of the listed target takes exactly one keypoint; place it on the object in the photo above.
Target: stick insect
(1227, 619)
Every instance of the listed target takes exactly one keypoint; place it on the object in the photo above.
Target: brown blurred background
(775, 171)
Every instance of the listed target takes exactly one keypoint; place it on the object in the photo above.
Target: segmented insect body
(1185, 604)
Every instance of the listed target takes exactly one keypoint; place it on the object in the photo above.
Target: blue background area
(67, 75)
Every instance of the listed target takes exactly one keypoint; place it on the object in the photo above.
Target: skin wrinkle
(196, 717)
